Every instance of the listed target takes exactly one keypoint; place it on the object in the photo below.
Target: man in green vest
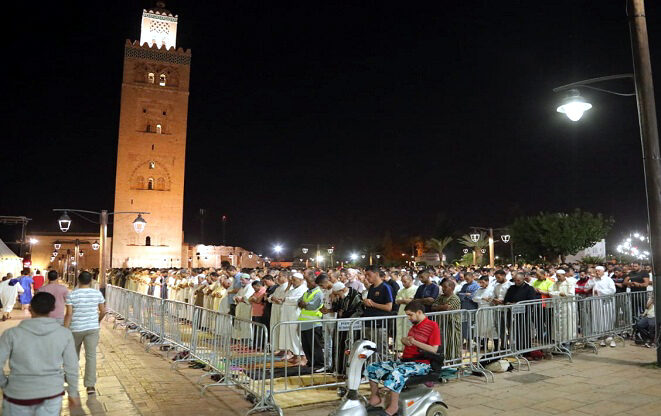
(311, 336)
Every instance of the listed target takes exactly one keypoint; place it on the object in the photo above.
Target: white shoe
(613, 344)
(609, 339)
(321, 370)
(602, 343)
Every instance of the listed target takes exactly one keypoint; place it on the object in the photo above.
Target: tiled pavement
(617, 381)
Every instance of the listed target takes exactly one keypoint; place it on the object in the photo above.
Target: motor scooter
(417, 398)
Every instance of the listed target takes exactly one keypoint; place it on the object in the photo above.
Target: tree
(477, 246)
(556, 235)
(438, 245)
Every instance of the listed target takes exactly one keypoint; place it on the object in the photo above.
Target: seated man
(645, 326)
(423, 336)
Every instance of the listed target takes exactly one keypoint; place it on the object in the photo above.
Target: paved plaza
(617, 381)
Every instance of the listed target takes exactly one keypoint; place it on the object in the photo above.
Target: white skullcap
(600, 268)
(560, 271)
(298, 275)
(337, 286)
(353, 272)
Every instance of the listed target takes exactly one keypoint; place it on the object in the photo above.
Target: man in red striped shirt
(423, 336)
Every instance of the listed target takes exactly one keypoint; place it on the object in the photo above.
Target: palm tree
(477, 246)
(438, 245)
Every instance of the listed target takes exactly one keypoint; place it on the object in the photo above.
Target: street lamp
(81, 253)
(33, 241)
(465, 251)
(304, 250)
(139, 224)
(95, 245)
(475, 237)
(574, 105)
(505, 238)
(649, 134)
(277, 248)
(330, 251)
(64, 222)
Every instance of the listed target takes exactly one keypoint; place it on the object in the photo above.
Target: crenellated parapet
(133, 49)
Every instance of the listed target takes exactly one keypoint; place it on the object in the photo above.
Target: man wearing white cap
(563, 288)
(603, 309)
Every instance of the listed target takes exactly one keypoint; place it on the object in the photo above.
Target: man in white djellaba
(243, 330)
(277, 299)
(289, 339)
(8, 296)
(602, 309)
(565, 310)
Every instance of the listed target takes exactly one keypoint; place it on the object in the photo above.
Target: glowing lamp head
(95, 245)
(574, 105)
(304, 250)
(33, 241)
(139, 224)
(320, 258)
(465, 251)
(81, 253)
(475, 237)
(64, 222)
(353, 256)
(277, 248)
(505, 238)
(57, 245)
(330, 250)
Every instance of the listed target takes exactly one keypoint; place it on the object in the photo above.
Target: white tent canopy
(9, 262)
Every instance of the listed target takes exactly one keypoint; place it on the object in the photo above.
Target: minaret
(152, 145)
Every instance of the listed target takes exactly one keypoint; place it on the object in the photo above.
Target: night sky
(333, 122)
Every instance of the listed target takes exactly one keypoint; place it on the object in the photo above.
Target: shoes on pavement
(602, 343)
(91, 391)
(612, 344)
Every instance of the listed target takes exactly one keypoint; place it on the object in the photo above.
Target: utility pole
(224, 222)
(649, 138)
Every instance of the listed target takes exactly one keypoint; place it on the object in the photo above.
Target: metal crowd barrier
(235, 350)
(245, 354)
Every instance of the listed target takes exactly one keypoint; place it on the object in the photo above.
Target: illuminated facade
(152, 146)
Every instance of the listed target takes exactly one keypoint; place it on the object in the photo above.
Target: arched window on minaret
(150, 77)
(159, 129)
(163, 78)
(152, 164)
(148, 241)
(150, 184)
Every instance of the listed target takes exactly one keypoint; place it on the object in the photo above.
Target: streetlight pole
(649, 138)
(649, 134)
(138, 224)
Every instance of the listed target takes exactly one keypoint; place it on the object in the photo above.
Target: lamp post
(649, 134)
(475, 237)
(65, 223)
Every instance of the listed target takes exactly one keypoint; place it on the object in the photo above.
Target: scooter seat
(432, 377)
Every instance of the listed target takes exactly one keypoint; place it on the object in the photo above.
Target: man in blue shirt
(428, 291)
(466, 297)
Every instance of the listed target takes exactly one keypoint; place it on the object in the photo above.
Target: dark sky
(321, 121)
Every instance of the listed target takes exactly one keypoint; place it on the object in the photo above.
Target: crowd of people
(270, 296)
(43, 351)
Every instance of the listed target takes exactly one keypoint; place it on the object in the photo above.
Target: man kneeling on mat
(423, 336)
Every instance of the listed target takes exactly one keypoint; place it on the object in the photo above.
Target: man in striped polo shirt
(85, 309)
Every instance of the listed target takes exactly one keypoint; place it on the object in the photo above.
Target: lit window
(158, 129)
(152, 165)
(162, 80)
(150, 77)
(150, 184)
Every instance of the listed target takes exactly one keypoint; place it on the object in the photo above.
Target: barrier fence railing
(248, 355)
